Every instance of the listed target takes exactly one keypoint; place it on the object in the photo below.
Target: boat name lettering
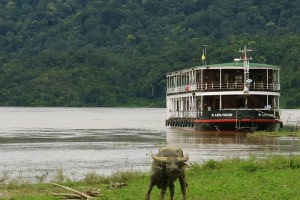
(221, 114)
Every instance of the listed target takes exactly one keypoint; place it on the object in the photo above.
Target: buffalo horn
(183, 159)
(165, 159)
(159, 159)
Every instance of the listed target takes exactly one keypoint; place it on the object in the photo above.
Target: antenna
(245, 59)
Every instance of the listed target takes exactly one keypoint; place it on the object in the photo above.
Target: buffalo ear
(184, 165)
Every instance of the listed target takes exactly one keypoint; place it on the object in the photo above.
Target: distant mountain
(116, 52)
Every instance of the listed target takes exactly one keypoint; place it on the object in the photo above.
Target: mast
(245, 60)
(247, 80)
(203, 57)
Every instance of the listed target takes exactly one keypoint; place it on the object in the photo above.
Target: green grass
(285, 132)
(275, 177)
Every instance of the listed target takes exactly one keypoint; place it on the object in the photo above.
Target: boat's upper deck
(234, 65)
(224, 77)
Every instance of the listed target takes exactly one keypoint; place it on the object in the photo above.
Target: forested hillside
(116, 52)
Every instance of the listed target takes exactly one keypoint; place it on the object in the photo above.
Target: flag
(203, 56)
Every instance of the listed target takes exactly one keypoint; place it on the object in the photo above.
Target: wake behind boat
(228, 97)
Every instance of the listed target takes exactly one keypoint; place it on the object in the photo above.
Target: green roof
(241, 64)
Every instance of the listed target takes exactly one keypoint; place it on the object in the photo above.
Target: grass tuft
(59, 176)
(210, 164)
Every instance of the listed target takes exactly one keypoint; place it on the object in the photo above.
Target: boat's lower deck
(229, 120)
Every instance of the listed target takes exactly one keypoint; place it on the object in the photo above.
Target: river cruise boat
(228, 97)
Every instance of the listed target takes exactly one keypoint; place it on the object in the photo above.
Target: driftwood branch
(88, 197)
(113, 186)
(71, 195)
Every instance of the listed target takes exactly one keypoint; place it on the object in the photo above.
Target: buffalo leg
(171, 188)
(147, 196)
(162, 193)
(183, 185)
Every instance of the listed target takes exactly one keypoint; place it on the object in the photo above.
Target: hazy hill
(116, 52)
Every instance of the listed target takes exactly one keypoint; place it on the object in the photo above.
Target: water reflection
(192, 137)
(213, 146)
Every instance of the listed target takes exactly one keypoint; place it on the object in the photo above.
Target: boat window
(259, 78)
(226, 77)
(238, 78)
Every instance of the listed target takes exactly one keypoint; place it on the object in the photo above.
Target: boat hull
(246, 120)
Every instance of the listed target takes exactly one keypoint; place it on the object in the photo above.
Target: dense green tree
(117, 52)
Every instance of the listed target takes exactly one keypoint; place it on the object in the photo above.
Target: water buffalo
(168, 165)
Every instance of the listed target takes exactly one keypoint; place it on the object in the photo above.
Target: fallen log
(116, 185)
(94, 193)
(87, 197)
(68, 195)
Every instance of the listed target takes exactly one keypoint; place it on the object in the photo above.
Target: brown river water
(36, 141)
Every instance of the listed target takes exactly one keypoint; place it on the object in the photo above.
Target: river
(37, 141)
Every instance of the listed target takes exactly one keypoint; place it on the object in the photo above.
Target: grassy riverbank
(286, 131)
(275, 177)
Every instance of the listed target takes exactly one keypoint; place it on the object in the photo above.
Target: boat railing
(184, 114)
(223, 86)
